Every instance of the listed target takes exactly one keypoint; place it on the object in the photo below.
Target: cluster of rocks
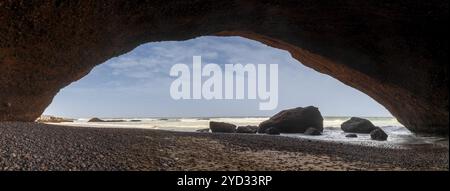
(363, 126)
(308, 121)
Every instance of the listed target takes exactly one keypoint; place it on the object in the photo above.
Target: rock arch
(396, 51)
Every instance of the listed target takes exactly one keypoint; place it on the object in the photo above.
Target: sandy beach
(35, 146)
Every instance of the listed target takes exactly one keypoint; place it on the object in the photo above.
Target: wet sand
(34, 146)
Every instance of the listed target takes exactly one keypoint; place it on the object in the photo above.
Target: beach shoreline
(37, 146)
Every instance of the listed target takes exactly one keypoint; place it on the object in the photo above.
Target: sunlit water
(398, 135)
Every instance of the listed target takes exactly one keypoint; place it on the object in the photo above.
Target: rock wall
(394, 51)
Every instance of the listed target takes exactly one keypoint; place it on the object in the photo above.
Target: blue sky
(137, 84)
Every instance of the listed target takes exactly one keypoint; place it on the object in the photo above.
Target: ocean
(398, 134)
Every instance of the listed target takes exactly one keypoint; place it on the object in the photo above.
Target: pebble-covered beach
(35, 146)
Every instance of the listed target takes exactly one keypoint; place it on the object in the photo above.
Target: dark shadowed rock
(203, 130)
(312, 131)
(357, 125)
(221, 127)
(378, 134)
(247, 129)
(351, 135)
(295, 120)
(95, 119)
(272, 131)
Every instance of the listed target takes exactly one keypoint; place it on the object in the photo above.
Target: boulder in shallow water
(357, 125)
(95, 119)
(295, 120)
(247, 129)
(272, 131)
(378, 134)
(221, 127)
(312, 131)
(351, 135)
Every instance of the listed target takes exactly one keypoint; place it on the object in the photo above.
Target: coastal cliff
(396, 51)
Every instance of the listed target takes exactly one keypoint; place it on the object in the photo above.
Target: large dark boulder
(378, 134)
(357, 125)
(295, 120)
(221, 127)
(247, 129)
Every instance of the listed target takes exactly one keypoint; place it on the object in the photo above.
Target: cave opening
(136, 86)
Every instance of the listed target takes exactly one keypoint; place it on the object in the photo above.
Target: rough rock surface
(296, 120)
(394, 51)
(378, 134)
(358, 125)
(221, 127)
